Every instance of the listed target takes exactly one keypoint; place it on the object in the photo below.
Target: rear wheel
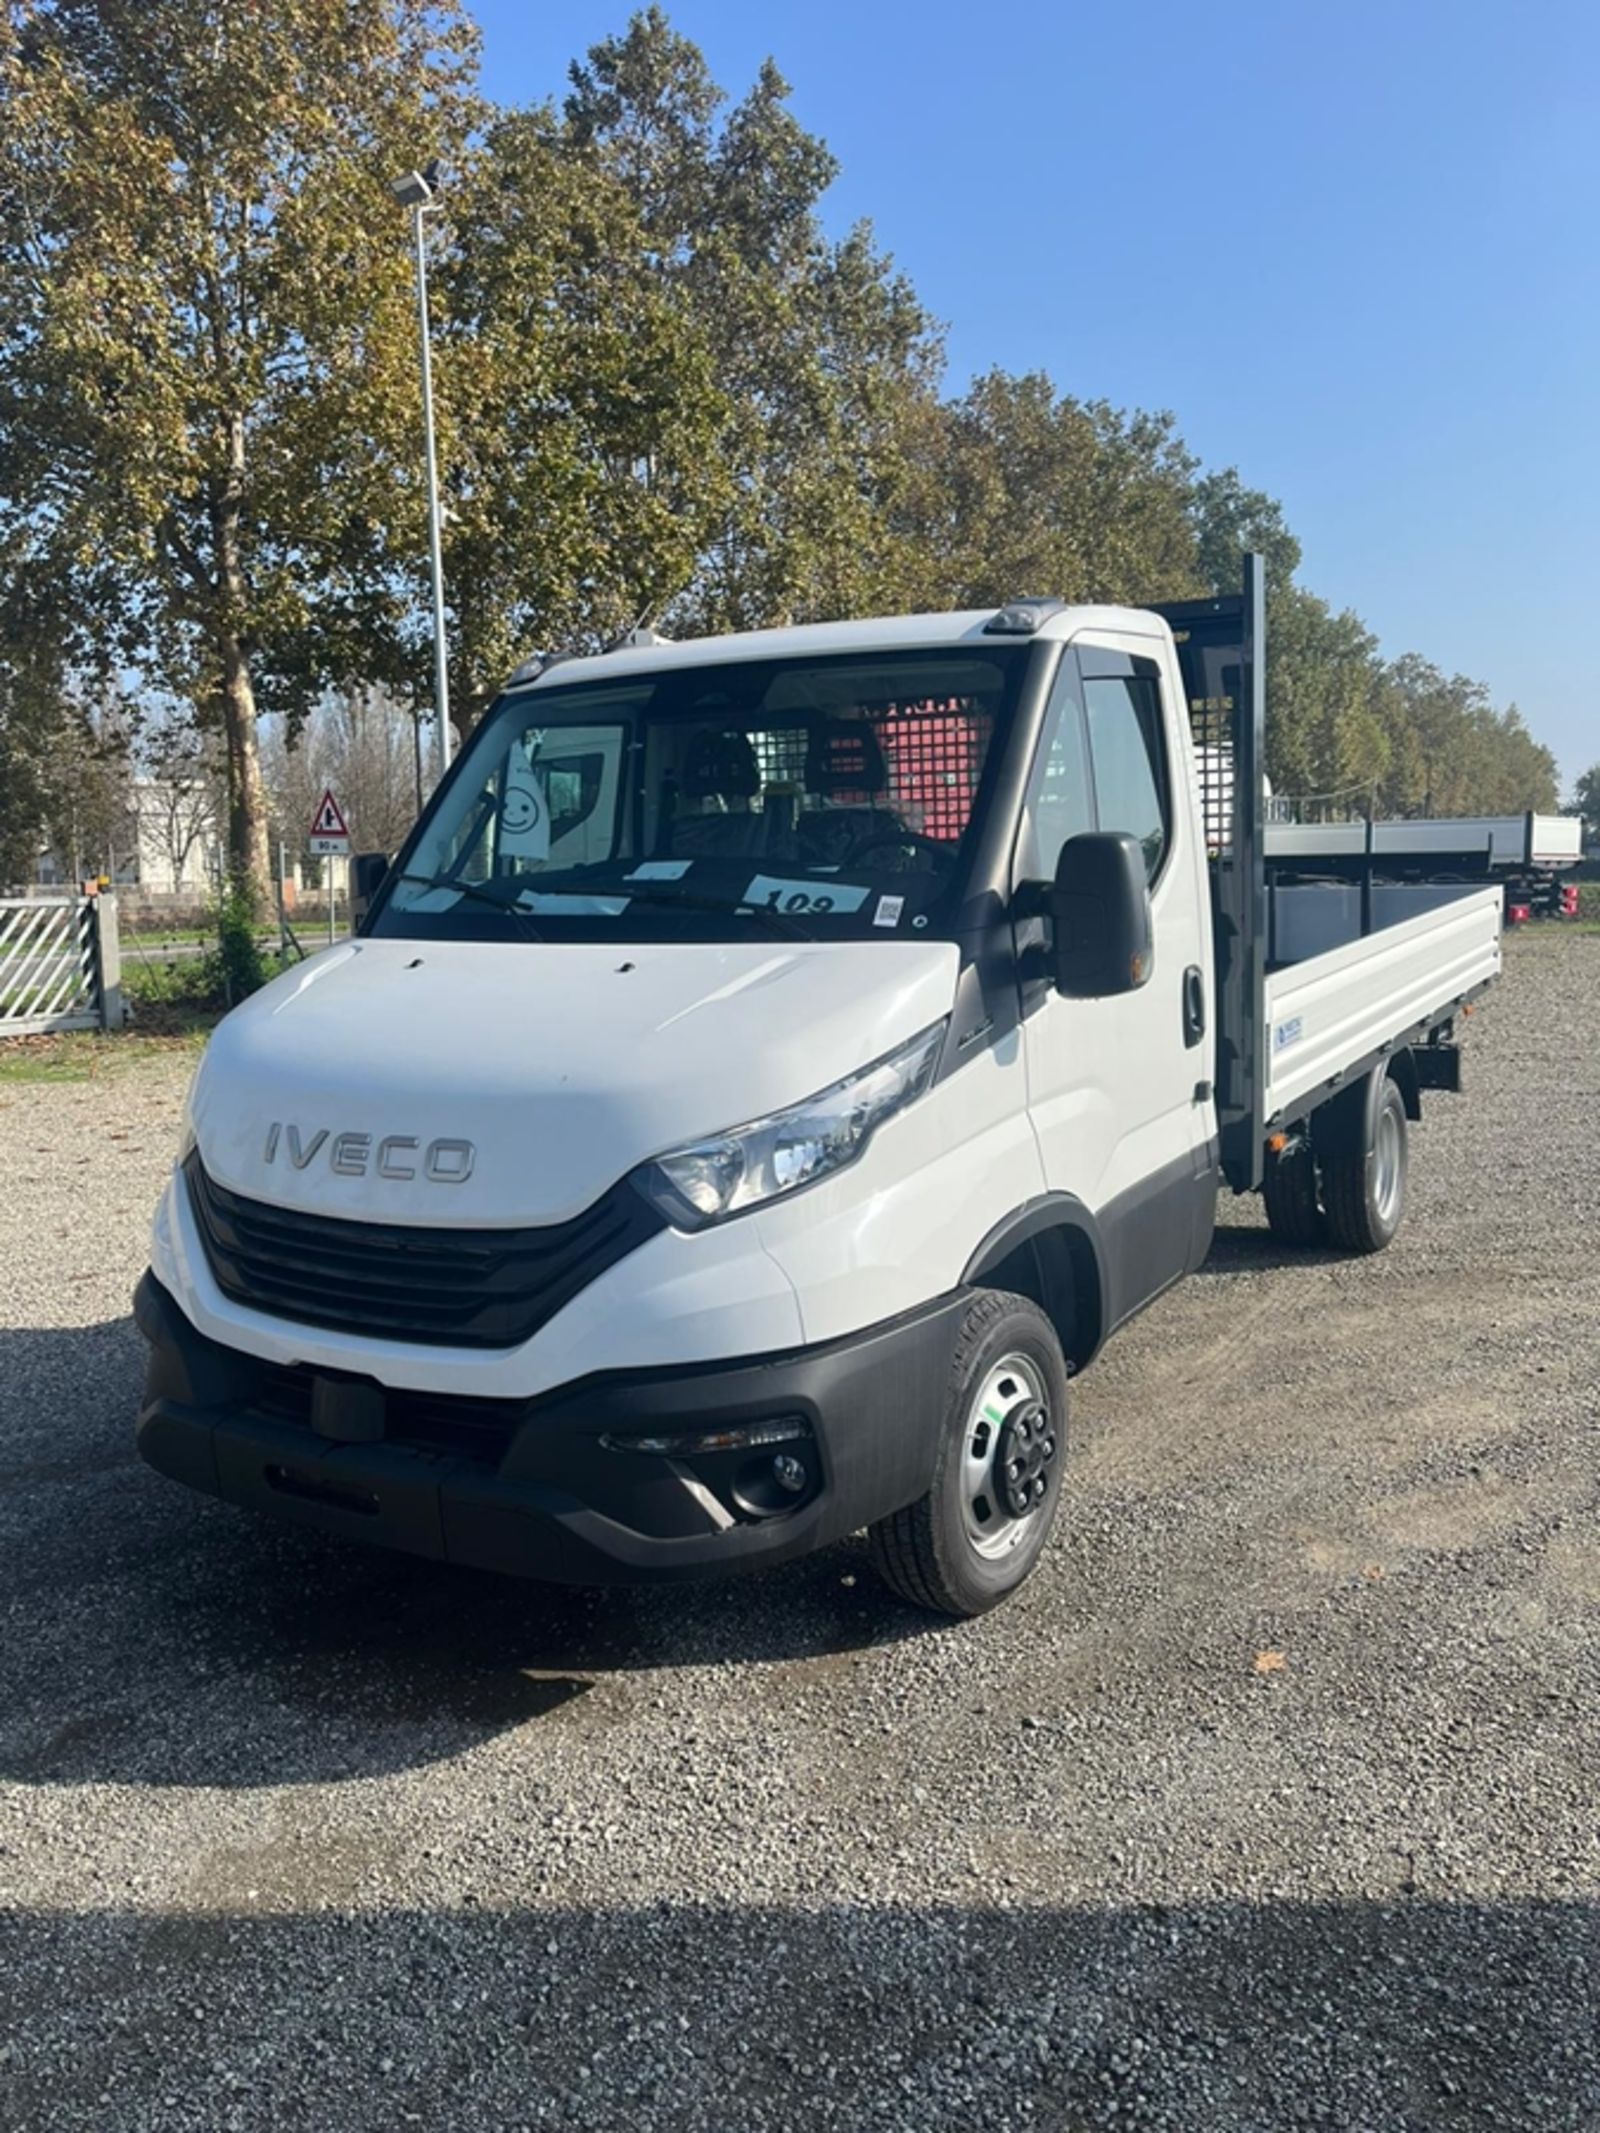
(1289, 1193)
(980, 1529)
(1365, 1189)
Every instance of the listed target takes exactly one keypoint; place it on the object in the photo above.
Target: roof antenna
(642, 633)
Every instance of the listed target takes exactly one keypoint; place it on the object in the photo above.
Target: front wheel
(1364, 1189)
(977, 1533)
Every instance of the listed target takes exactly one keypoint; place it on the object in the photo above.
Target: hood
(561, 1066)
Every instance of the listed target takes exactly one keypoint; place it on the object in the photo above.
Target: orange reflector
(1277, 1142)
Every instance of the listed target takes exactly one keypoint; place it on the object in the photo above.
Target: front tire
(978, 1532)
(1365, 1189)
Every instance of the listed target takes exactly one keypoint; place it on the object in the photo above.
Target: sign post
(330, 839)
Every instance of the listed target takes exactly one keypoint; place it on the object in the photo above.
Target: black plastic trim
(1437, 1066)
(1116, 1260)
(988, 1002)
(470, 1288)
(556, 1501)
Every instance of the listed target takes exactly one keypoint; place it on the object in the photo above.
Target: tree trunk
(249, 861)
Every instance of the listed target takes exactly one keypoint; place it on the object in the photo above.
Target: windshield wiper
(481, 894)
(628, 892)
(779, 921)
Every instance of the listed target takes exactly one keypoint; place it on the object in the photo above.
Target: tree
(1229, 521)
(33, 708)
(1028, 491)
(361, 744)
(1586, 798)
(1326, 740)
(582, 416)
(825, 359)
(207, 346)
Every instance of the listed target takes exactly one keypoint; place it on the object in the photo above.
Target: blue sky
(1356, 250)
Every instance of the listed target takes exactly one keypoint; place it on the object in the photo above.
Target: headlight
(749, 1165)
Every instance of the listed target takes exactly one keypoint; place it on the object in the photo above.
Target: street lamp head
(417, 187)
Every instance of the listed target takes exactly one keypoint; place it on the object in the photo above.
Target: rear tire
(1289, 1193)
(982, 1526)
(1365, 1191)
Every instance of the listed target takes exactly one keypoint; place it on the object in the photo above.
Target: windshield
(826, 798)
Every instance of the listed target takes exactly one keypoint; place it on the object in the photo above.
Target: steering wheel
(910, 840)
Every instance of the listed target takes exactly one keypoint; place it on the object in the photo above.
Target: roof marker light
(1021, 618)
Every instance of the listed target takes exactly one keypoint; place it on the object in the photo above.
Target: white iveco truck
(772, 1068)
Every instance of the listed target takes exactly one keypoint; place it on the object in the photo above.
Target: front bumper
(542, 1488)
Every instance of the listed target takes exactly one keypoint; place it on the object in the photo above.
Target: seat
(847, 770)
(720, 777)
(845, 757)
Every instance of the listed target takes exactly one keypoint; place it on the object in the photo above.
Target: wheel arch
(1051, 1251)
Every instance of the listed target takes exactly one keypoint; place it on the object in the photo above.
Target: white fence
(58, 965)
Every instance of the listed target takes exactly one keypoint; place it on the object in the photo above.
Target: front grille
(479, 1430)
(468, 1288)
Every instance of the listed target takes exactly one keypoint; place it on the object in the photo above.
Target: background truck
(1533, 858)
(772, 1068)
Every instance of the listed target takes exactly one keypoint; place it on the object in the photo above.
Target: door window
(1061, 804)
(1128, 750)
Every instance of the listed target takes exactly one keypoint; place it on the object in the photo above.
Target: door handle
(1194, 1005)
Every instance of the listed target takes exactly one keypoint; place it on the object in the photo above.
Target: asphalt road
(1273, 1800)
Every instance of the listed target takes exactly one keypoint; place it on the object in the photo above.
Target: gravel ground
(1271, 1801)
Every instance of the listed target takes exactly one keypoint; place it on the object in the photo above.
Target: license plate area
(312, 1488)
(373, 1492)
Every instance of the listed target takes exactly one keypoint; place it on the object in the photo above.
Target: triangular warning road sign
(328, 821)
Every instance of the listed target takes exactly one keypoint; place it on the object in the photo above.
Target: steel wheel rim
(1009, 1387)
(1389, 1165)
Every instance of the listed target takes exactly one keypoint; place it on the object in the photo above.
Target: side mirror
(1100, 905)
(367, 870)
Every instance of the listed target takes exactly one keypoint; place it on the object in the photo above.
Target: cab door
(1118, 1088)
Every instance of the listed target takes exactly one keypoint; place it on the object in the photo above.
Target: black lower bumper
(557, 1487)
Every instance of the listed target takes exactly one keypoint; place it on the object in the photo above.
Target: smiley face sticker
(524, 816)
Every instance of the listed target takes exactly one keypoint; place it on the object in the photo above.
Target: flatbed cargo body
(1341, 1012)
(1497, 842)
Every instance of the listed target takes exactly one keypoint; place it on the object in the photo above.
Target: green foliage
(824, 360)
(1024, 491)
(665, 392)
(1586, 798)
(583, 475)
(235, 968)
(206, 335)
(186, 982)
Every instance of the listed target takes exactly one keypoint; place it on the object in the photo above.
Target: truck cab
(773, 1067)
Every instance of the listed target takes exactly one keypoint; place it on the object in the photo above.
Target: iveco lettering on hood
(772, 1068)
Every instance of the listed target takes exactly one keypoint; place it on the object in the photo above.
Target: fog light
(747, 1436)
(790, 1473)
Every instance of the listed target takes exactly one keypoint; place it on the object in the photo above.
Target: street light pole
(417, 193)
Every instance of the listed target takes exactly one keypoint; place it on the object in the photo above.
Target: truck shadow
(1240, 1249)
(1456, 2016)
(155, 1637)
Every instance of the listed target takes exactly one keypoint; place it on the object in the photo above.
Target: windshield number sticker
(800, 897)
(888, 911)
